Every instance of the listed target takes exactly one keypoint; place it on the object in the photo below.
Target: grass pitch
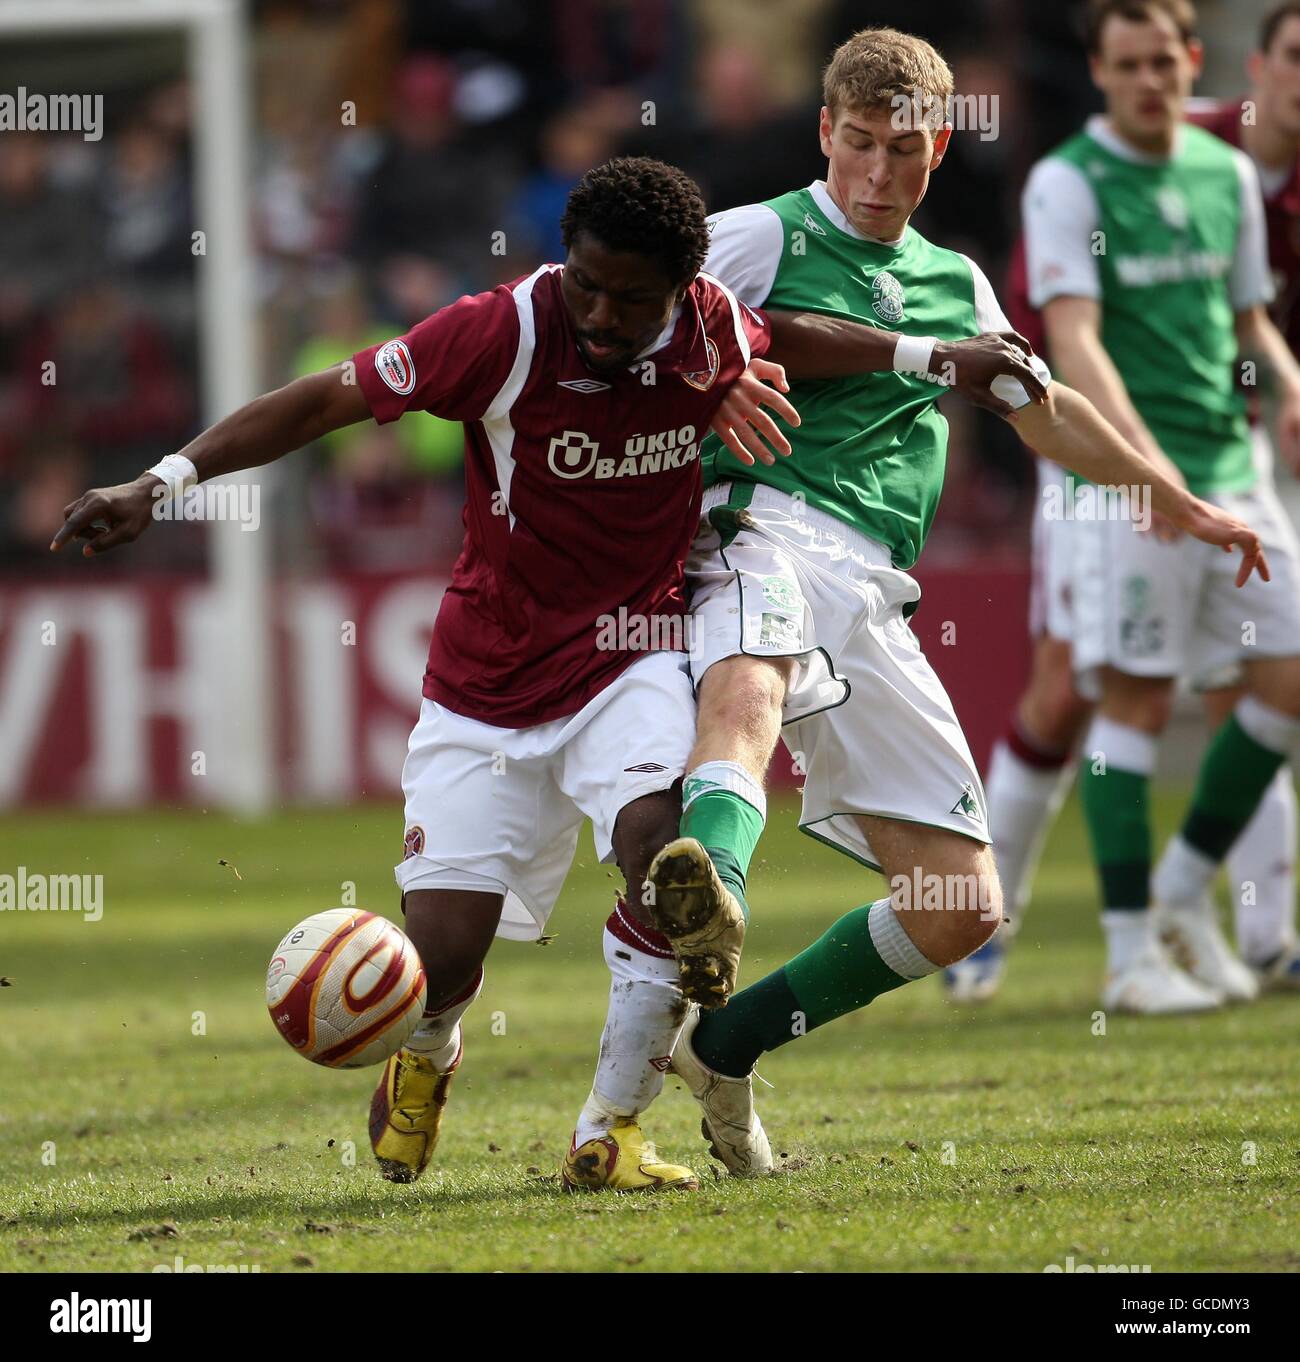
(148, 1110)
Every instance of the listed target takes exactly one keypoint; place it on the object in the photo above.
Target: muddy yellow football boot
(406, 1113)
(623, 1161)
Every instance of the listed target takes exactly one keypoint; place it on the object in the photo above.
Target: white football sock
(1129, 934)
(1261, 871)
(1023, 802)
(723, 775)
(438, 1035)
(646, 1013)
(1183, 875)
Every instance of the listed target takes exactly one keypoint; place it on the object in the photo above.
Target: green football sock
(839, 973)
(1235, 772)
(728, 827)
(1115, 810)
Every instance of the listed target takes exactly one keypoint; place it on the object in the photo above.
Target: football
(345, 988)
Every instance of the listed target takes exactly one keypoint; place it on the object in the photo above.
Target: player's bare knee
(643, 828)
(1277, 685)
(452, 931)
(1144, 703)
(744, 695)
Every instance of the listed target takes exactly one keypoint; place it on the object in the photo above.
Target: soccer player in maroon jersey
(557, 686)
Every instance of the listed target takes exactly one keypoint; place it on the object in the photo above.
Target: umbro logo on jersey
(585, 385)
(649, 767)
(662, 1062)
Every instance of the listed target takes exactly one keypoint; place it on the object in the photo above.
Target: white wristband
(912, 354)
(177, 473)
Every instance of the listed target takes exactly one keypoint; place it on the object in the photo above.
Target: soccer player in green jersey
(801, 596)
(1033, 765)
(1150, 327)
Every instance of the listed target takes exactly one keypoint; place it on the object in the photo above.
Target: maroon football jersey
(582, 489)
(1282, 213)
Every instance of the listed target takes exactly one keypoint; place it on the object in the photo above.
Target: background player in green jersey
(801, 597)
(1033, 766)
(1150, 325)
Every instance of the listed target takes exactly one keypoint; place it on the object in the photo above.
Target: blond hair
(881, 67)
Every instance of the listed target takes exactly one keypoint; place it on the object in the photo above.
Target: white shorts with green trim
(1149, 608)
(499, 809)
(866, 718)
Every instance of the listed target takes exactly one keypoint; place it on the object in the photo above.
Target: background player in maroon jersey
(557, 685)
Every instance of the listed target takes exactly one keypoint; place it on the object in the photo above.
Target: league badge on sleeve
(394, 365)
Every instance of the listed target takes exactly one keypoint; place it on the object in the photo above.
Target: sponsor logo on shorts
(662, 1063)
(648, 767)
(394, 365)
(967, 804)
(1141, 632)
(413, 842)
(778, 631)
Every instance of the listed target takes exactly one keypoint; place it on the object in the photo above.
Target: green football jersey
(1159, 243)
(871, 448)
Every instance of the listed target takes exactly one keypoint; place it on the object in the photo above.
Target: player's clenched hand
(108, 516)
(970, 366)
(1213, 526)
(742, 424)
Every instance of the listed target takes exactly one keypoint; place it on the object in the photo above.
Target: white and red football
(345, 988)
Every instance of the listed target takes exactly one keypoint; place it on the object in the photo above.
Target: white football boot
(1194, 941)
(1152, 985)
(731, 1126)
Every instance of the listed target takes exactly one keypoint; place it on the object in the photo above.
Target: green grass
(913, 1135)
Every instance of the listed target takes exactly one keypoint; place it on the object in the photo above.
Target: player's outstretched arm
(1070, 431)
(261, 431)
(813, 346)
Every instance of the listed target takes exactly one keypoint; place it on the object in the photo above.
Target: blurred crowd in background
(473, 118)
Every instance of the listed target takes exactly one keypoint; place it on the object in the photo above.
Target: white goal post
(216, 41)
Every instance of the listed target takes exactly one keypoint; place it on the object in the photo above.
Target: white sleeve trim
(1250, 281)
(1059, 213)
(497, 425)
(742, 340)
(745, 250)
(989, 316)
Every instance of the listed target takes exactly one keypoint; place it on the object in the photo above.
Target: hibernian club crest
(887, 297)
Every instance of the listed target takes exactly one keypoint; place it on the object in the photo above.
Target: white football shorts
(866, 717)
(1051, 579)
(1149, 608)
(499, 809)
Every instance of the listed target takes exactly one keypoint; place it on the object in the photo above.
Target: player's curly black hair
(634, 203)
